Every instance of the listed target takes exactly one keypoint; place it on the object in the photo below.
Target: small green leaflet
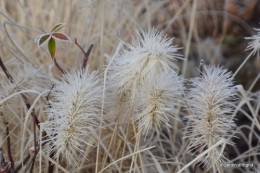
(52, 47)
(57, 27)
(44, 38)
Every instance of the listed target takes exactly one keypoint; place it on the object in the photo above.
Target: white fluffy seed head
(254, 45)
(149, 54)
(158, 101)
(29, 77)
(24, 77)
(116, 105)
(211, 103)
(73, 115)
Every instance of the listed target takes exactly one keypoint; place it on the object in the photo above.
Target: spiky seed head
(254, 45)
(150, 53)
(211, 103)
(73, 115)
(24, 76)
(157, 103)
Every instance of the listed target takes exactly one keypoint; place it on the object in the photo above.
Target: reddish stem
(8, 143)
(57, 65)
(34, 136)
(42, 29)
(86, 54)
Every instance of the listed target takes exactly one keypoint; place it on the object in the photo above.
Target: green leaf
(41, 39)
(60, 36)
(52, 47)
(58, 27)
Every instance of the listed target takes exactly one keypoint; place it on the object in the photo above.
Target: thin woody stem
(29, 159)
(85, 60)
(8, 142)
(201, 67)
(35, 143)
(57, 65)
(6, 71)
(82, 50)
(4, 165)
(86, 54)
(47, 97)
(19, 166)
(42, 29)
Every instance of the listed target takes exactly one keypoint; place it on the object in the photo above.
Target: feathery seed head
(149, 54)
(29, 77)
(210, 101)
(116, 105)
(254, 45)
(158, 101)
(24, 77)
(73, 115)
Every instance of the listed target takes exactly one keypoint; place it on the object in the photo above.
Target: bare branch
(86, 54)
(57, 65)
(8, 142)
